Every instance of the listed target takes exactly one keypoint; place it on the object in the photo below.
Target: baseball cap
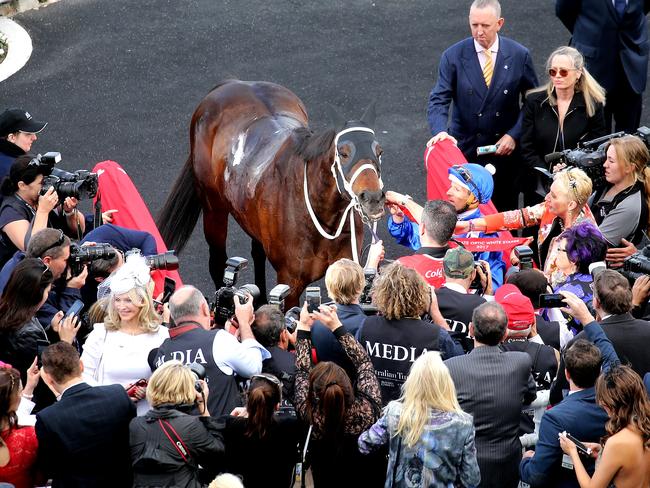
(15, 119)
(458, 263)
(518, 307)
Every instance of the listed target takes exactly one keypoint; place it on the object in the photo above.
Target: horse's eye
(344, 154)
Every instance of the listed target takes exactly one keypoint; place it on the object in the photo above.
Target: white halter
(354, 202)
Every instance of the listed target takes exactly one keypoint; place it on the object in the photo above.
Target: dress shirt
(243, 358)
(482, 58)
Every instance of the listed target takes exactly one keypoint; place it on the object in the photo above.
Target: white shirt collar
(494, 48)
(70, 386)
(455, 287)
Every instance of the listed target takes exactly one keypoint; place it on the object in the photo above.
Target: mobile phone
(312, 295)
(582, 449)
(169, 289)
(75, 309)
(41, 344)
(551, 300)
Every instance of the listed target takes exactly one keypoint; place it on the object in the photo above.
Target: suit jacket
(629, 336)
(492, 386)
(83, 439)
(581, 417)
(605, 39)
(481, 115)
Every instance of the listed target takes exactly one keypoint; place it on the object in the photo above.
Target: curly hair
(585, 244)
(622, 392)
(400, 292)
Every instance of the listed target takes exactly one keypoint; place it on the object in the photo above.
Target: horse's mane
(314, 145)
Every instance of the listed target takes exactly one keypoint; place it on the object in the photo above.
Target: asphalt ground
(120, 79)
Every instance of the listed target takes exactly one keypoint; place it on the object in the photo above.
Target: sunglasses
(59, 242)
(47, 268)
(467, 178)
(270, 378)
(563, 72)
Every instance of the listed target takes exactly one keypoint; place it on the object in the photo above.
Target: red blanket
(118, 192)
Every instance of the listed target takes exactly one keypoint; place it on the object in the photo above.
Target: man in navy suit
(83, 439)
(612, 35)
(578, 414)
(486, 76)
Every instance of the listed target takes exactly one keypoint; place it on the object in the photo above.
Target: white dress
(114, 357)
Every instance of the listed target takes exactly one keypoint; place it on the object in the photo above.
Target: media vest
(428, 263)
(393, 346)
(189, 342)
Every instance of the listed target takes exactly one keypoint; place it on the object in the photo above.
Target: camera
(81, 184)
(291, 319)
(365, 300)
(224, 298)
(278, 294)
(476, 282)
(167, 260)
(637, 265)
(525, 256)
(590, 155)
(199, 374)
(82, 255)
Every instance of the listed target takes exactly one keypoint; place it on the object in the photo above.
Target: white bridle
(347, 185)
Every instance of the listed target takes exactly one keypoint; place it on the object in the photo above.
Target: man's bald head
(188, 303)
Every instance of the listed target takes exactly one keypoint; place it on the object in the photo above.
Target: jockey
(471, 185)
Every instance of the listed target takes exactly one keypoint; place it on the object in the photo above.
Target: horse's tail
(182, 208)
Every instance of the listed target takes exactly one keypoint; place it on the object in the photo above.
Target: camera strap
(177, 442)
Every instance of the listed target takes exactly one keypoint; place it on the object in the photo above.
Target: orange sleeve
(510, 220)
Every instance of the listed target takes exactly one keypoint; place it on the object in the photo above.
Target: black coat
(541, 134)
(156, 461)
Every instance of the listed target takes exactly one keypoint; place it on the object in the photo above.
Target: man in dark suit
(83, 439)
(492, 386)
(578, 414)
(613, 302)
(486, 76)
(612, 35)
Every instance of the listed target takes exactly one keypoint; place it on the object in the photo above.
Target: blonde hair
(632, 151)
(98, 310)
(344, 281)
(172, 383)
(226, 480)
(577, 183)
(400, 292)
(147, 316)
(428, 386)
(592, 92)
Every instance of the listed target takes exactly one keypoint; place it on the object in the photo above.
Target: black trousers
(623, 106)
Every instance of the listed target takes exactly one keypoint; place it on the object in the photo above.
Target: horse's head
(357, 161)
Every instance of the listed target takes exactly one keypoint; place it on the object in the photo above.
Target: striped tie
(488, 69)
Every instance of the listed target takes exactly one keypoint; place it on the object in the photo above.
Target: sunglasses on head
(467, 178)
(563, 72)
(271, 379)
(59, 242)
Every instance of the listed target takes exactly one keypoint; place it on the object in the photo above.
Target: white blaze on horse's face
(357, 168)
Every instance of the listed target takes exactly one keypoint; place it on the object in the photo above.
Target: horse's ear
(335, 117)
(370, 115)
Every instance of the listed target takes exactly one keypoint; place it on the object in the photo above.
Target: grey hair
(190, 306)
(493, 4)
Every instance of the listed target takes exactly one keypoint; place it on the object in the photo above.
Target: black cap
(15, 119)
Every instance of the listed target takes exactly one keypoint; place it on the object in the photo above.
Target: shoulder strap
(176, 441)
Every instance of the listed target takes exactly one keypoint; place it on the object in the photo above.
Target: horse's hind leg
(215, 227)
(259, 265)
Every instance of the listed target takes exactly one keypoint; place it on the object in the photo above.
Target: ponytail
(262, 400)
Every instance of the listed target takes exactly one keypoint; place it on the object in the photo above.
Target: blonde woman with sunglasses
(568, 109)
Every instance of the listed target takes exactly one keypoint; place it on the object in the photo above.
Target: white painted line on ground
(20, 48)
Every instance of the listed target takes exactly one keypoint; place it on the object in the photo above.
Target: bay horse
(253, 156)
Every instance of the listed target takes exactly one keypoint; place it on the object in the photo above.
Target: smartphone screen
(551, 300)
(312, 295)
(75, 308)
(41, 344)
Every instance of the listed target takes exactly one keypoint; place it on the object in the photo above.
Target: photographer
(344, 280)
(455, 302)
(621, 206)
(17, 134)
(24, 211)
(219, 352)
(168, 444)
(270, 330)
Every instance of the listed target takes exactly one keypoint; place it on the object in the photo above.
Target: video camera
(590, 155)
(224, 298)
(80, 184)
(637, 265)
(83, 255)
(167, 260)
